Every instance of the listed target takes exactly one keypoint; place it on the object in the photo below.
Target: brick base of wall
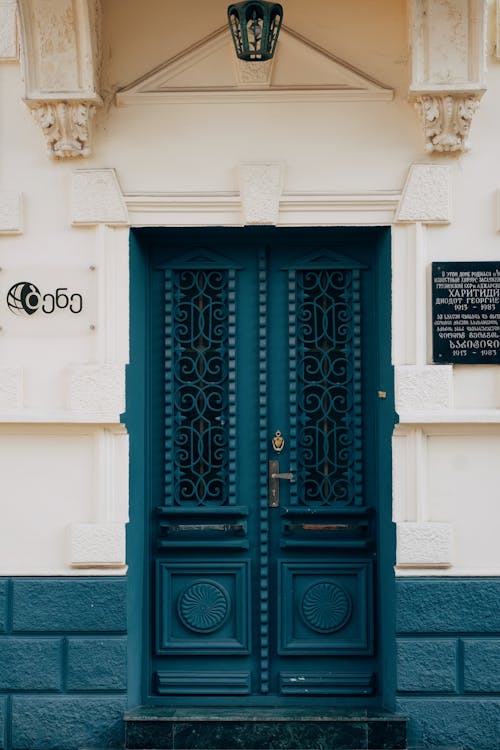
(63, 662)
(448, 660)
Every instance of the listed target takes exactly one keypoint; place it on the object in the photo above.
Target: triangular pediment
(210, 70)
(326, 259)
(200, 258)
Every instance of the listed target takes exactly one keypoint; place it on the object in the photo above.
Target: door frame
(138, 387)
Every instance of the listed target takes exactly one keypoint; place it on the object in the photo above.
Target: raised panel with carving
(326, 608)
(203, 609)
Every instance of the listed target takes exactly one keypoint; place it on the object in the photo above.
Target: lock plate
(274, 484)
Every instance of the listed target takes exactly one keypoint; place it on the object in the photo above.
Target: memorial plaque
(466, 313)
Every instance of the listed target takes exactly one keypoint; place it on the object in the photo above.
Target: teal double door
(267, 465)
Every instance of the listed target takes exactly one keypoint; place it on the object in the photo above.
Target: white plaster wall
(47, 484)
(463, 484)
(336, 147)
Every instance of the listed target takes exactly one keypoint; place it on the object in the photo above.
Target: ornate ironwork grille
(199, 387)
(325, 348)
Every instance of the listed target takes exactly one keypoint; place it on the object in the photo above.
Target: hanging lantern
(255, 27)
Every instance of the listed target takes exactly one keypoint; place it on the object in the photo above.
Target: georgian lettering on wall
(48, 302)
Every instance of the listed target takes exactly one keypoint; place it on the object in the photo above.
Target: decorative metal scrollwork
(199, 385)
(204, 606)
(328, 401)
(326, 607)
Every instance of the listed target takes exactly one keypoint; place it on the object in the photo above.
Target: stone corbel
(448, 69)
(65, 126)
(446, 119)
(59, 42)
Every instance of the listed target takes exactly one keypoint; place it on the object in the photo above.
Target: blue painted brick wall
(3, 605)
(448, 660)
(63, 663)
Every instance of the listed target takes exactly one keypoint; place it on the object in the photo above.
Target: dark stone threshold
(158, 728)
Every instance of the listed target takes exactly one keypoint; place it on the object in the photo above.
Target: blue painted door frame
(231, 599)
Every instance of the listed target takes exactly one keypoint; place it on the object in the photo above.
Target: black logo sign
(24, 298)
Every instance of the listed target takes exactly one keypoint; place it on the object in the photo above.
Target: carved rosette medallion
(326, 607)
(447, 120)
(65, 125)
(203, 606)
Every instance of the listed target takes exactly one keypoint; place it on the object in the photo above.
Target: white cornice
(290, 95)
(451, 416)
(295, 209)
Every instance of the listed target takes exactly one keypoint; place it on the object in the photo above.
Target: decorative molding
(498, 205)
(60, 48)
(254, 73)
(497, 37)
(111, 461)
(96, 198)
(207, 72)
(10, 212)
(296, 209)
(409, 480)
(447, 119)
(451, 416)
(204, 606)
(424, 545)
(61, 63)
(97, 545)
(448, 40)
(8, 31)
(11, 389)
(260, 188)
(326, 607)
(97, 389)
(426, 195)
(448, 43)
(427, 388)
(65, 126)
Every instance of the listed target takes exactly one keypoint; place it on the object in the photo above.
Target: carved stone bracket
(448, 42)
(60, 45)
(65, 125)
(447, 119)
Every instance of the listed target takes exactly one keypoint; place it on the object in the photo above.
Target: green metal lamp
(255, 26)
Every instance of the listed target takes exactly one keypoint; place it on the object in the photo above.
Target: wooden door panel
(252, 600)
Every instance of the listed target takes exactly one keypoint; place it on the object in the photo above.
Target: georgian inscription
(466, 313)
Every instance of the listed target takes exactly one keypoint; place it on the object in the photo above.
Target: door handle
(288, 476)
(274, 482)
